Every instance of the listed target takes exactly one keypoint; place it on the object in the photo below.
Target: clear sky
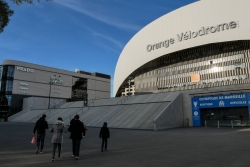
(85, 34)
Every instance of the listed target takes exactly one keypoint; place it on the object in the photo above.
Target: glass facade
(215, 70)
(6, 85)
(214, 65)
(79, 88)
(225, 116)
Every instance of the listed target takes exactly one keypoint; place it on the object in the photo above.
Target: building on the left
(20, 80)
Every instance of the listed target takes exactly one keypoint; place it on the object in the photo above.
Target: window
(7, 71)
(79, 88)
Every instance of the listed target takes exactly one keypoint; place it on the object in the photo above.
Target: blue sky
(84, 34)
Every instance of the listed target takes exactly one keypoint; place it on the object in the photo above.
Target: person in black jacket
(77, 132)
(104, 134)
(72, 120)
(40, 127)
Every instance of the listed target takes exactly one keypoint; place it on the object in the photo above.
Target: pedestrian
(77, 133)
(104, 134)
(72, 120)
(39, 130)
(57, 129)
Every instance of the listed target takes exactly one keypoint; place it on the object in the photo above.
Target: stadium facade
(201, 50)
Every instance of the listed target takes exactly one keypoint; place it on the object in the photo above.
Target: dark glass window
(6, 79)
(79, 88)
(7, 71)
(1, 69)
(6, 85)
(5, 100)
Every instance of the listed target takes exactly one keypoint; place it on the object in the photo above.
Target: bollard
(155, 125)
(206, 124)
(232, 124)
(218, 124)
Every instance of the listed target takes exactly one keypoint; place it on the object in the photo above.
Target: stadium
(200, 50)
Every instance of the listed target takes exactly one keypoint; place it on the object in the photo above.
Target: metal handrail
(71, 116)
(126, 97)
(40, 115)
(58, 105)
(91, 102)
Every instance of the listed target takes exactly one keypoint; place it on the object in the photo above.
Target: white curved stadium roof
(208, 21)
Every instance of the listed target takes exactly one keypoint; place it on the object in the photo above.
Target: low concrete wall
(171, 116)
(40, 103)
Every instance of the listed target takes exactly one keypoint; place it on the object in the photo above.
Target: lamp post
(53, 80)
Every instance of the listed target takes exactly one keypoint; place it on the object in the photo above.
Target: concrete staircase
(151, 112)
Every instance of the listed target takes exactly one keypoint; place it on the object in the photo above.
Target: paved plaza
(181, 147)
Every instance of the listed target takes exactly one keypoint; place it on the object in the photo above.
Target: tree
(6, 12)
(18, 2)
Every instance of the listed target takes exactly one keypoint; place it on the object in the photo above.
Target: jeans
(76, 147)
(104, 143)
(59, 149)
(40, 138)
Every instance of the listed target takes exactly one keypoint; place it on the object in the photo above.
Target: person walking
(72, 120)
(57, 129)
(104, 134)
(77, 133)
(40, 127)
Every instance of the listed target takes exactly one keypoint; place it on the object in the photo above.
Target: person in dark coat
(104, 134)
(72, 120)
(57, 139)
(77, 133)
(40, 127)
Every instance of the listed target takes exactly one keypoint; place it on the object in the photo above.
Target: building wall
(30, 80)
(174, 25)
(33, 80)
(39, 103)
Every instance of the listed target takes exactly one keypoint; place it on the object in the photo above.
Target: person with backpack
(40, 131)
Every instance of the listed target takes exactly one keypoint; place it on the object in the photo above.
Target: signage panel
(219, 101)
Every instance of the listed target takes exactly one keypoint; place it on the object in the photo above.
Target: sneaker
(41, 152)
(37, 150)
(53, 159)
(77, 158)
(60, 157)
(73, 155)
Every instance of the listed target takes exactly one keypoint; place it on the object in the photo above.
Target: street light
(53, 80)
(84, 100)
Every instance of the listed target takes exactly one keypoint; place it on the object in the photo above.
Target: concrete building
(19, 80)
(202, 49)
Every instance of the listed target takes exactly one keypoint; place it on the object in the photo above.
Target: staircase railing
(124, 99)
(58, 105)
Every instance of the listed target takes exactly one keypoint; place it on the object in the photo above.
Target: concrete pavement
(181, 147)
